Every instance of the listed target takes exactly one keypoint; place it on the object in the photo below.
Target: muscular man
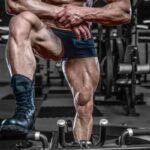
(36, 29)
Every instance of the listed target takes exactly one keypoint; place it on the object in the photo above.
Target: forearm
(118, 12)
(37, 7)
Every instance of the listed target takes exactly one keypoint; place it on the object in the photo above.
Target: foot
(18, 125)
(85, 144)
(23, 119)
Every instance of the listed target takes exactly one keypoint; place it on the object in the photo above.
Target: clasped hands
(71, 17)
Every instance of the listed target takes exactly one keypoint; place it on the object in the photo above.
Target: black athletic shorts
(74, 48)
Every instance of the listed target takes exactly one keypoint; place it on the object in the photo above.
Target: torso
(61, 3)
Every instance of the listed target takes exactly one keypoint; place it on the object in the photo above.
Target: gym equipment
(105, 137)
(109, 71)
(106, 61)
(4, 72)
(144, 37)
(51, 75)
(143, 11)
(130, 133)
(60, 71)
(110, 54)
(25, 143)
(39, 80)
(130, 70)
(121, 69)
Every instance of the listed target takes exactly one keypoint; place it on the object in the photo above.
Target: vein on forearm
(111, 14)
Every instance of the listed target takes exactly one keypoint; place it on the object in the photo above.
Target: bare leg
(27, 32)
(28, 35)
(83, 77)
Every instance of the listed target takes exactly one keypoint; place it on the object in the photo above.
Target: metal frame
(55, 146)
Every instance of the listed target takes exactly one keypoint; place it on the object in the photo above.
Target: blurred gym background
(121, 77)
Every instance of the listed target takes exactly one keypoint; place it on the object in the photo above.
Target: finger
(67, 22)
(68, 25)
(62, 19)
(87, 31)
(77, 33)
(83, 32)
(61, 13)
(74, 21)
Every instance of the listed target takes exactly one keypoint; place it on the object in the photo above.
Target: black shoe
(23, 119)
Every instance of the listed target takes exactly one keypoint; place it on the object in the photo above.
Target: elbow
(13, 7)
(126, 18)
(127, 15)
(126, 10)
(10, 9)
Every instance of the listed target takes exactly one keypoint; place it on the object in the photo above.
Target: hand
(70, 16)
(82, 31)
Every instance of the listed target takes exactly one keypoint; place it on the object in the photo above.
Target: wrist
(89, 14)
(83, 12)
(55, 11)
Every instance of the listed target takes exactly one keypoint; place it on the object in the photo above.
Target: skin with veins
(114, 13)
(47, 11)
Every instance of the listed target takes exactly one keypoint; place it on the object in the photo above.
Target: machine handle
(61, 129)
(37, 136)
(132, 132)
(102, 133)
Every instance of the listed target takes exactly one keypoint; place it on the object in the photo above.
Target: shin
(83, 120)
(19, 51)
(22, 67)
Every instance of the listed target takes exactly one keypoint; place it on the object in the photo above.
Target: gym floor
(47, 110)
(60, 106)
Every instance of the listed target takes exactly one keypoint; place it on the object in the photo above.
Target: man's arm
(115, 12)
(43, 10)
(37, 7)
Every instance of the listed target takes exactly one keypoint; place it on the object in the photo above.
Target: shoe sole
(11, 131)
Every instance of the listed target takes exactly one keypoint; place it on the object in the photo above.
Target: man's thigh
(46, 44)
(82, 73)
(28, 27)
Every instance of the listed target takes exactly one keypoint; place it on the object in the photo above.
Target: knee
(19, 25)
(84, 102)
(84, 96)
